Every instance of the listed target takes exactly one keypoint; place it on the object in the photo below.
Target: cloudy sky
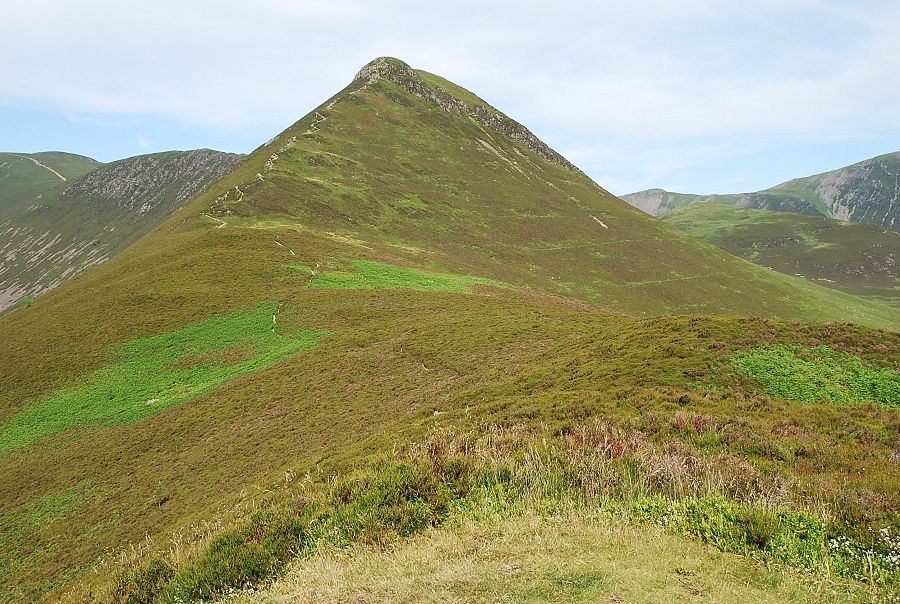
(689, 95)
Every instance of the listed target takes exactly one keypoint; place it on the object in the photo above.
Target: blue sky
(696, 95)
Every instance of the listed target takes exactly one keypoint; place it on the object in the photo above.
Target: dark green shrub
(394, 498)
(245, 556)
(143, 585)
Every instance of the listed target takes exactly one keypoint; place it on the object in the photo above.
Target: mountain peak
(453, 99)
(385, 68)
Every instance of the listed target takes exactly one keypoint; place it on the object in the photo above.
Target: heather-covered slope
(401, 308)
(859, 259)
(397, 161)
(51, 231)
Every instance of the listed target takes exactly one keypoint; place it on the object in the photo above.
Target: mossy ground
(151, 374)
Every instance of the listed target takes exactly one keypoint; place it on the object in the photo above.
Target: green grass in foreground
(531, 559)
(154, 373)
(368, 274)
(818, 374)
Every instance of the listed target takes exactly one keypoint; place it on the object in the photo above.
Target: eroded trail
(46, 167)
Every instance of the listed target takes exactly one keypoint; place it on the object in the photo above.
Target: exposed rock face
(98, 215)
(151, 184)
(657, 202)
(401, 74)
(867, 192)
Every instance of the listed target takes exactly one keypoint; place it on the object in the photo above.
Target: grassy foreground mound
(533, 559)
(598, 480)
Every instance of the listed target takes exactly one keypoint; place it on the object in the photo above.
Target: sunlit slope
(408, 163)
(860, 259)
(304, 325)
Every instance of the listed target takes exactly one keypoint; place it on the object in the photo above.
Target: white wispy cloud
(653, 84)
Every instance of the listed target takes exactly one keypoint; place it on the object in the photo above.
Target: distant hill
(28, 177)
(61, 213)
(860, 259)
(867, 192)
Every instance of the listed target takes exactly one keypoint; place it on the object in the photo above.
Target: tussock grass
(567, 558)
(500, 476)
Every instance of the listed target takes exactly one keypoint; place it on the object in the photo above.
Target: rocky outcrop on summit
(401, 74)
(866, 192)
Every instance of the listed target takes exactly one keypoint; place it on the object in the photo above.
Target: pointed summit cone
(416, 166)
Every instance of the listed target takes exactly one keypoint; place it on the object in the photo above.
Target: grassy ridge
(384, 167)
(408, 193)
(398, 362)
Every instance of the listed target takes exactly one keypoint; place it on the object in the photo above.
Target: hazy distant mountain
(867, 192)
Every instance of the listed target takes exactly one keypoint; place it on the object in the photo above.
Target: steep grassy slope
(52, 235)
(859, 259)
(398, 162)
(867, 192)
(195, 407)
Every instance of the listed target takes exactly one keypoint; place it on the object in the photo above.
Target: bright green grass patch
(818, 374)
(368, 274)
(157, 372)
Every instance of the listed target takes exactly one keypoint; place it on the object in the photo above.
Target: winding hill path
(46, 167)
